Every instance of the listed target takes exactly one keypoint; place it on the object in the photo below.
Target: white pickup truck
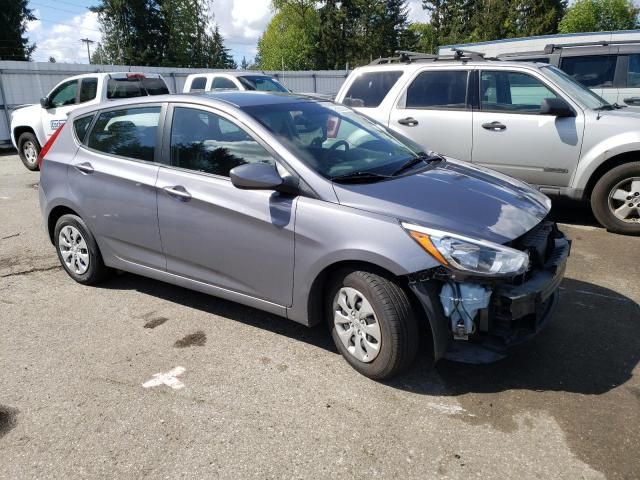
(32, 125)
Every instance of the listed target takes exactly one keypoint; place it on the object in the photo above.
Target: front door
(433, 111)
(212, 232)
(62, 100)
(509, 134)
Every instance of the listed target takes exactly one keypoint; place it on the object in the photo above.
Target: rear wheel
(78, 251)
(372, 323)
(616, 199)
(29, 149)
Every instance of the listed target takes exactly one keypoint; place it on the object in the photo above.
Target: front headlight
(467, 254)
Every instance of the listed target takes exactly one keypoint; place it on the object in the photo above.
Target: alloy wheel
(30, 152)
(624, 200)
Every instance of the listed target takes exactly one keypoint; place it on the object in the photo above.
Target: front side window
(334, 140)
(81, 125)
(633, 74)
(88, 89)
(221, 82)
(64, 95)
(593, 71)
(208, 143)
(261, 83)
(130, 133)
(438, 89)
(513, 92)
(369, 89)
(198, 83)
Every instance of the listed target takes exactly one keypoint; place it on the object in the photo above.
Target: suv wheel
(78, 251)
(372, 323)
(616, 199)
(29, 149)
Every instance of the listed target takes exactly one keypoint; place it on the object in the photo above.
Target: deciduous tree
(599, 15)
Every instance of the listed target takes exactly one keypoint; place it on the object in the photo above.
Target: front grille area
(538, 243)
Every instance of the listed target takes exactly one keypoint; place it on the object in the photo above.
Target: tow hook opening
(462, 303)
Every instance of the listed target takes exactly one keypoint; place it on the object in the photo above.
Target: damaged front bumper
(515, 309)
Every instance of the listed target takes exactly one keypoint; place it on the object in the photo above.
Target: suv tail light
(48, 145)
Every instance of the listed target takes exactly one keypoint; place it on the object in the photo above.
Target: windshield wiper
(605, 106)
(360, 176)
(420, 158)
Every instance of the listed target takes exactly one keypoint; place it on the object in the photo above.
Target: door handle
(632, 101)
(178, 192)
(409, 121)
(84, 167)
(494, 126)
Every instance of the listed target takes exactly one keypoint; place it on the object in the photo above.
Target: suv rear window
(592, 71)
(370, 88)
(438, 89)
(135, 87)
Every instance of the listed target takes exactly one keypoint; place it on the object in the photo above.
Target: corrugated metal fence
(26, 82)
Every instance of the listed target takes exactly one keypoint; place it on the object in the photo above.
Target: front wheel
(615, 200)
(372, 323)
(29, 149)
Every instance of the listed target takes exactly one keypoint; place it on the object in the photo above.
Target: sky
(62, 24)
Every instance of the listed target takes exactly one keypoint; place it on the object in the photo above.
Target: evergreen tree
(14, 16)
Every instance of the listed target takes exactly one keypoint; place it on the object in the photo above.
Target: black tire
(96, 271)
(600, 199)
(25, 141)
(394, 313)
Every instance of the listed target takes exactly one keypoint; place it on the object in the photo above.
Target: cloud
(241, 23)
(62, 40)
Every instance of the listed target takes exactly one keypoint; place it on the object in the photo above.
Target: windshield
(258, 82)
(336, 141)
(575, 89)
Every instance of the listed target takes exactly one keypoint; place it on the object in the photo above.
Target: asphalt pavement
(140, 379)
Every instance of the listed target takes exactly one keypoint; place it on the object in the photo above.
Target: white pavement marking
(447, 409)
(594, 294)
(581, 227)
(169, 379)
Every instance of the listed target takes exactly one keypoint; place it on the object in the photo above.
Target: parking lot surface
(243, 394)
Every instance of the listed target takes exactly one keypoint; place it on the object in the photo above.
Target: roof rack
(404, 56)
(558, 46)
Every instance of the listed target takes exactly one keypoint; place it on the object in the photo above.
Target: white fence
(26, 82)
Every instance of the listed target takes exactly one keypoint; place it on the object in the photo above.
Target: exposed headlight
(467, 254)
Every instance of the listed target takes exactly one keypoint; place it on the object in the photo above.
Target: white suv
(33, 125)
(229, 80)
(528, 120)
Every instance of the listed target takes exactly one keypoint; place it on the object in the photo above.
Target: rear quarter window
(593, 71)
(81, 125)
(370, 88)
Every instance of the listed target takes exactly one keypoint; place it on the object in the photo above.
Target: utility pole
(88, 42)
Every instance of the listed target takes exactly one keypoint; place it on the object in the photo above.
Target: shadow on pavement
(572, 212)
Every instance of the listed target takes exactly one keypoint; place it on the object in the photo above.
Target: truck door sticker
(55, 124)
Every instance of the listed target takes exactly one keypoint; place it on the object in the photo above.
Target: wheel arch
(18, 131)
(55, 215)
(607, 165)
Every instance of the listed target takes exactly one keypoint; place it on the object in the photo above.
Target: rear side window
(198, 83)
(594, 71)
(443, 89)
(221, 82)
(88, 89)
(130, 133)
(135, 87)
(633, 75)
(369, 89)
(206, 142)
(81, 125)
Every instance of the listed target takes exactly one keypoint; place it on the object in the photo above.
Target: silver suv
(531, 121)
(307, 210)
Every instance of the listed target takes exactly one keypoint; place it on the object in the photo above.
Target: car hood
(455, 197)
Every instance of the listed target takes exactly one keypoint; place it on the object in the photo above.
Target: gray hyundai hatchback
(308, 210)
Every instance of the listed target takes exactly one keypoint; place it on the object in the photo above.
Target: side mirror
(556, 107)
(44, 102)
(255, 176)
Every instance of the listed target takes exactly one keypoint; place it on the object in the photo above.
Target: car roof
(234, 98)
(113, 74)
(413, 66)
(231, 73)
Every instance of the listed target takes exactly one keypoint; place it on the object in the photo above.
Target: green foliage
(175, 33)
(14, 16)
(599, 15)
(421, 37)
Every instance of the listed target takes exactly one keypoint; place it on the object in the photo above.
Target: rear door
(212, 232)
(113, 177)
(434, 111)
(510, 135)
(629, 91)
